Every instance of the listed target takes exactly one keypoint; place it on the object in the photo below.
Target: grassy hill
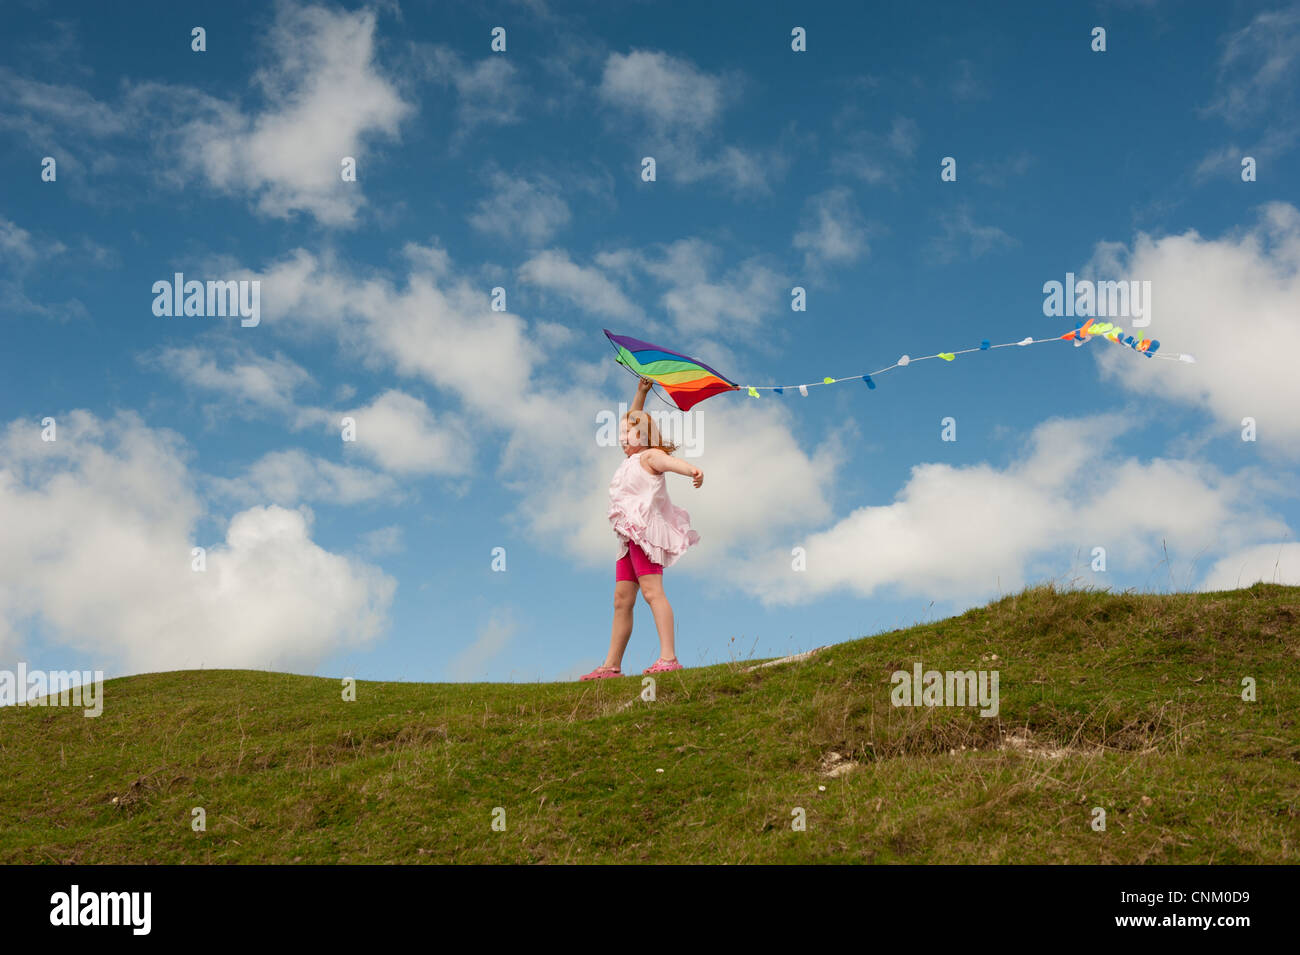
(1129, 702)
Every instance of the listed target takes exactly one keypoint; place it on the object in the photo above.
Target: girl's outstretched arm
(660, 462)
(642, 389)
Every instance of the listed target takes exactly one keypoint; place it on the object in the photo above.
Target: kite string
(909, 361)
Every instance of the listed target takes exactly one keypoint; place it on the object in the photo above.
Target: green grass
(1130, 702)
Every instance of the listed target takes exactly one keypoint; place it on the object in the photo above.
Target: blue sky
(477, 429)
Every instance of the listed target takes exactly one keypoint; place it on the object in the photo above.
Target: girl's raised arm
(642, 389)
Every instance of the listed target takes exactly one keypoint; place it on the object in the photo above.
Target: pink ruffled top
(639, 510)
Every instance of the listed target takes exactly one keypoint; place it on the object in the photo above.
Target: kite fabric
(689, 381)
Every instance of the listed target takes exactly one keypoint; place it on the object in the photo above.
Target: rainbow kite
(689, 381)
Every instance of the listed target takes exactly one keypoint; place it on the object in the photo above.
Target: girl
(652, 533)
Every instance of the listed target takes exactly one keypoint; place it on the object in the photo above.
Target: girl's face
(630, 437)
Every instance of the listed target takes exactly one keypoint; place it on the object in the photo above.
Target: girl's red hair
(649, 431)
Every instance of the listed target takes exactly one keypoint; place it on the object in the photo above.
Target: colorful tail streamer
(689, 381)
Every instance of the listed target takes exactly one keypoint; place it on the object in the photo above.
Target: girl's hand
(644, 385)
(697, 476)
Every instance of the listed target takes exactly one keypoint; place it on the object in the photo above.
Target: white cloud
(40, 107)
(587, 287)
(1231, 302)
(966, 85)
(904, 135)
(20, 249)
(667, 91)
(383, 541)
(1225, 162)
(874, 157)
(739, 171)
(326, 98)
(678, 110)
(999, 172)
(99, 527)
(292, 477)
(401, 434)
(758, 483)
(492, 638)
(488, 92)
(1260, 65)
(961, 236)
(864, 166)
(246, 380)
(19, 252)
(396, 431)
(16, 242)
(520, 207)
(18, 302)
(438, 326)
(833, 232)
(699, 295)
(703, 298)
(1277, 563)
(955, 532)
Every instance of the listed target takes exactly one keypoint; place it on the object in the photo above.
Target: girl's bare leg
(621, 631)
(652, 589)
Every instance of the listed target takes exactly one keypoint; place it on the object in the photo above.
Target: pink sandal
(663, 666)
(601, 673)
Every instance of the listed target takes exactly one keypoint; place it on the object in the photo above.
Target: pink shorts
(635, 564)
